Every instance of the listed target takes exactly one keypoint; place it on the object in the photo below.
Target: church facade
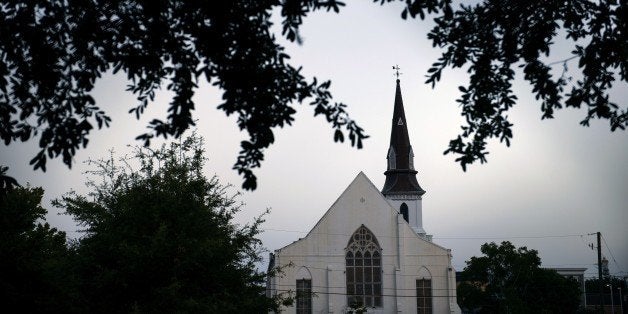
(369, 250)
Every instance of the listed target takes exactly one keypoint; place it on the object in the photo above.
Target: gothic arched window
(403, 210)
(364, 269)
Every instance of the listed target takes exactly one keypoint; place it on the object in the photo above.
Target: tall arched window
(403, 210)
(364, 269)
(304, 291)
(424, 292)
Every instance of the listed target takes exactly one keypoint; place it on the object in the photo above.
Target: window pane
(358, 262)
(350, 277)
(377, 302)
(359, 289)
(358, 259)
(377, 289)
(367, 274)
(377, 274)
(359, 300)
(376, 259)
(358, 274)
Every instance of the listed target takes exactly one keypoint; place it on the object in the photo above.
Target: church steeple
(400, 173)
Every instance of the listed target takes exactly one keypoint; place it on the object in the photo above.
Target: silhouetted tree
(34, 277)
(509, 280)
(7, 183)
(162, 239)
(493, 37)
(52, 52)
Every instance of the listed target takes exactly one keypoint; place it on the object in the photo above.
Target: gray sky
(557, 182)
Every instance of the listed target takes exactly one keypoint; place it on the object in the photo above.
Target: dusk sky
(557, 183)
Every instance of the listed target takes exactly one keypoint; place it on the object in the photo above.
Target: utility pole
(599, 269)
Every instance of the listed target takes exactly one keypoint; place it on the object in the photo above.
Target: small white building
(370, 249)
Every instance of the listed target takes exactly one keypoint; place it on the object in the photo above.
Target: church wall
(426, 260)
(322, 251)
(415, 212)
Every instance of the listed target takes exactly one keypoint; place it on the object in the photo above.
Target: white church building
(369, 249)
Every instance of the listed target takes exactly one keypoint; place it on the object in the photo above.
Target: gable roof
(360, 177)
(360, 180)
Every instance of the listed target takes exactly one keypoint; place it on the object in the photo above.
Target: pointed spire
(400, 174)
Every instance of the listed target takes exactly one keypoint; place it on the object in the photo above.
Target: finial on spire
(397, 73)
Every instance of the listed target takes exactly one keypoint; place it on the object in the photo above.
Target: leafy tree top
(509, 279)
(493, 37)
(162, 239)
(32, 255)
(58, 49)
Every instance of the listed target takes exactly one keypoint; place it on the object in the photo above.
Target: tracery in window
(364, 269)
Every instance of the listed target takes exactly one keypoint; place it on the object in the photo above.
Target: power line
(435, 238)
(611, 253)
(368, 295)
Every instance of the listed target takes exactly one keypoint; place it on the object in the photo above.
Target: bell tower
(401, 189)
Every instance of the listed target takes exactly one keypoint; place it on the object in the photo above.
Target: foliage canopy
(57, 49)
(33, 256)
(163, 239)
(509, 280)
(495, 36)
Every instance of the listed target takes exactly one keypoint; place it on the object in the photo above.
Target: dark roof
(400, 174)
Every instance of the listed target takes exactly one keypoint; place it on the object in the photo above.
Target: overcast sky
(556, 184)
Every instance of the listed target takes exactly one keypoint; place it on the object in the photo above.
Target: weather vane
(397, 73)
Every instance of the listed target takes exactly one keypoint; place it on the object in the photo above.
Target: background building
(576, 274)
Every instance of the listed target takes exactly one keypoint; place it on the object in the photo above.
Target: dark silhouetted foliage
(494, 37)
(509, 280)
(52, 53)
(162, 239)
(7, 183)
(34, 276)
